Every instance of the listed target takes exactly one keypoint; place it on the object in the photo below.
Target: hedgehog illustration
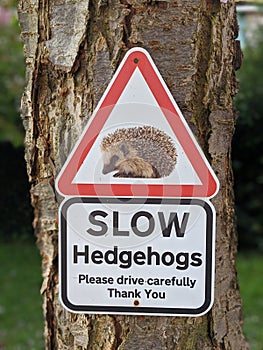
(138, 152)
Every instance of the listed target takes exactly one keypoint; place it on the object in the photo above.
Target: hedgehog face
(114, 155)
(109, 163)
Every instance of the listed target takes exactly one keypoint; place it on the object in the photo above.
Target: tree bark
(72, 48)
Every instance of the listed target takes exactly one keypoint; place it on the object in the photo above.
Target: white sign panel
(137, 256)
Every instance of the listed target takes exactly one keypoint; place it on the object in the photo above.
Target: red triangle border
(138, 57)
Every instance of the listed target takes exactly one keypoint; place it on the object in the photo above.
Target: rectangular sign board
(140, 256)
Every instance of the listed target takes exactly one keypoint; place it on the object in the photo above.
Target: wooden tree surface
(72, 48)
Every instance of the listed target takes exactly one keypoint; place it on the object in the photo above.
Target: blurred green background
(21, 322)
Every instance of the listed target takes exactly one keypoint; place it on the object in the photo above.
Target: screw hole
(136, 302)
(136, 60)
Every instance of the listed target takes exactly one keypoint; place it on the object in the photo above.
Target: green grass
(250, 275)
(21, 320)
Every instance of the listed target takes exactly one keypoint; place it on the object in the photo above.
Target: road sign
(137, 142)
(137, 256)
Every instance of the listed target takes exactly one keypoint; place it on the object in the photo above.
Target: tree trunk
(72, 49)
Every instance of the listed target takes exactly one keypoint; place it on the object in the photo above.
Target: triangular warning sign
(137, 142)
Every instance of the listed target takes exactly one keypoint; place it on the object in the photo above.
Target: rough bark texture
(72, 49)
